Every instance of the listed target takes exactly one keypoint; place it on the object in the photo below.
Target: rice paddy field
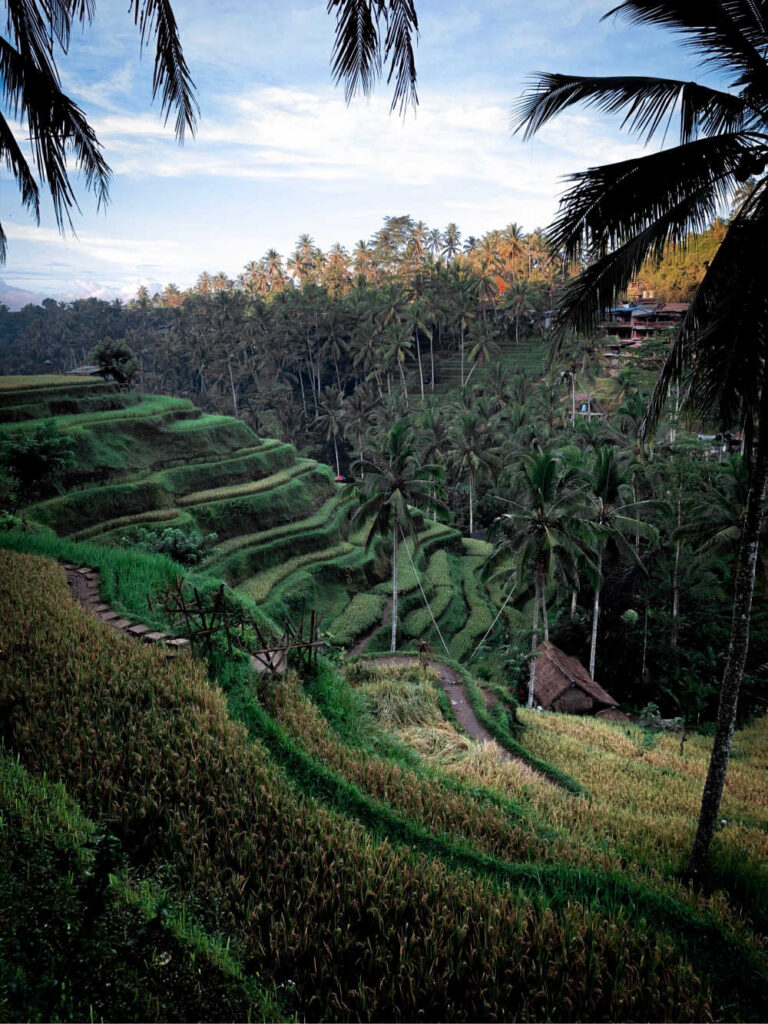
(284, 537)
(331, 848)
(196, 841)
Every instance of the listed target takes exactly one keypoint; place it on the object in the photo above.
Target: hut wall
(573, 702)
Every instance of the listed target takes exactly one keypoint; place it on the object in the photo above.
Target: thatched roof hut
(561, 683)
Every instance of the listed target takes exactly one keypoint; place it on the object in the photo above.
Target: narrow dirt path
(451, 682)
(359, 646)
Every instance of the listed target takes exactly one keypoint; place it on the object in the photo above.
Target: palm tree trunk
(462, 357)
(544, 616)
(421, 372)
(405, 386)
(739, 643)
(393, 644)
(471, 517)
(574, 597)
(336, 452)
(534, 640)
(232, 386)
(596, 614)
(432, 364)
(676, 583)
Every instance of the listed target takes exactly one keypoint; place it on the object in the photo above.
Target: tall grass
(360, 928)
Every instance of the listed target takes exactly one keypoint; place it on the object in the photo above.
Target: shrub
(183, 544)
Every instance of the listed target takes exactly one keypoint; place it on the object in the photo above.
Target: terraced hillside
(332, 848)
(285, 538)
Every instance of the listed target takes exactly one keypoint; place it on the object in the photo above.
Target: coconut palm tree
(394, 481)
(472, 452)
(616, 216)
(542, 534)
(611, 512)
(451, 243)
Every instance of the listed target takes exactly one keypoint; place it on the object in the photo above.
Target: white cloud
(283, 133)
(126, 252)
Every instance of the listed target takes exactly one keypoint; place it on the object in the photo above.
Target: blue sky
(279, 153)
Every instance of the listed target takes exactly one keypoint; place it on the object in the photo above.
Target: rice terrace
(384, 625)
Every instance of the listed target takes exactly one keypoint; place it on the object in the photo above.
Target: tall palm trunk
(471, 511)
(432, 364)
(421, 372)
(534, 639)
(405, 385)
(739, 643)
(336, 453)
(544, 616)
(393, 643)
(596, 613)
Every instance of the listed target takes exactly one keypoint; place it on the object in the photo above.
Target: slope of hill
(284, 535)
(354, 855)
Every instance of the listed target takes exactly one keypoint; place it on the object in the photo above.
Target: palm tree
(393, 482)
(330, 420)
(611, 499)
(615, 217)
(451, 243)
(542, 534)
(471, 452)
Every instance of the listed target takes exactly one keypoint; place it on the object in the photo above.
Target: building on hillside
(634, 322)
(561, 683)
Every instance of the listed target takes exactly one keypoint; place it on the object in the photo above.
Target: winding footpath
(451, 682)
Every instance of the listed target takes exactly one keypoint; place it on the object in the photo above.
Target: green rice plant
(157, 515)
(81, 509)
(480, 614)
(262, 462)
(252, 487)
(53, 382)
(78, 943)
(419, 622)
(362, 612)
(311, 895)
(267, 552)
(339, 500)
(154, 405)
(257, 588)
(265, 508)
(129, 576)
(439, 569)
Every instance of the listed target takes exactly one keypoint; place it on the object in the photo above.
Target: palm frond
(731, 35)
(357, 54)
(16, 163)
(171, 78)
(688, 185)
(56, 127)
(649, 103)
(402, 25)
(721, 343)
(356, 58)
